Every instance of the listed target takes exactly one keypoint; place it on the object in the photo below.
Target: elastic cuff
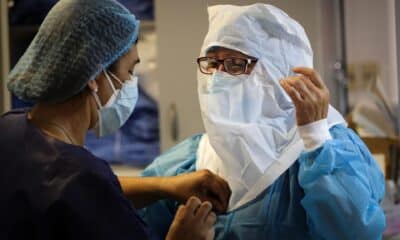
(314, 134)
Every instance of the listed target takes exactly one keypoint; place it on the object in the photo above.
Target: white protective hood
(251, 127)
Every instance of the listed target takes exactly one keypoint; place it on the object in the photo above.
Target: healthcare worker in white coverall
(296, 171)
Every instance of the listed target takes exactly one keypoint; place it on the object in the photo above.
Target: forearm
(342, 187)
(143, 191)
(203, 184)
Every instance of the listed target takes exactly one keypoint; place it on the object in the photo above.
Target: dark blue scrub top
(53, 190)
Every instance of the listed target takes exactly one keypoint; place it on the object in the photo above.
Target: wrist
(314, 134)
(167, 187)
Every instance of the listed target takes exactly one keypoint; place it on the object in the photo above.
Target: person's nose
(221, 67)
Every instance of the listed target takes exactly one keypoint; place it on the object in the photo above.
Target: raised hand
(309, 95)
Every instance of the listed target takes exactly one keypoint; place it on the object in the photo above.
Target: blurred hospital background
(356, 49)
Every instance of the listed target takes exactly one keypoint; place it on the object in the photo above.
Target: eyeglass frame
(222, 61)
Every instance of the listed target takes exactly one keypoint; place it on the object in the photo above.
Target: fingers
(291, 91)
(312, 75)
(211, 233)
(306, 82)
(299, 83)
(193, 221)
(180, 213)
(226, 190)
(309, 94)
(303, 86)
(314, 83)
(200, 211)
(211, 219)
(218, 192)
(192, 205)
(204, 210)
(223, 193)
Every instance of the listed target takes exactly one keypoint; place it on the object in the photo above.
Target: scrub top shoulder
(54, 190)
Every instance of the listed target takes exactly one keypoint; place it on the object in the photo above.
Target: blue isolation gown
(330, 193)
(54, 190)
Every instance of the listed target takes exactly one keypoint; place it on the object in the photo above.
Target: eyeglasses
(232, 65)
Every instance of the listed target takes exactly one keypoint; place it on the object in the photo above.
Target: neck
(68, 121)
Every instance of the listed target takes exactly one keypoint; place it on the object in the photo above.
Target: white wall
(181, 27)
(397, 13)
(5, 100)
(371, 36)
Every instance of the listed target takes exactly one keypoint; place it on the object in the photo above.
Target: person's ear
(92, 85)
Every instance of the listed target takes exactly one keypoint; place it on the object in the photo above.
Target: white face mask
(119, 106)
(222, 81)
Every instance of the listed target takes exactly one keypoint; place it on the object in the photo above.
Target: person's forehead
(131, 56)
(133, 52)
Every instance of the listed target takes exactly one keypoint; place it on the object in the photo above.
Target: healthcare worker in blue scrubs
(79, 70)
(295, 170)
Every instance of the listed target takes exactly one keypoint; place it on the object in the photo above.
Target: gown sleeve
(343, 187)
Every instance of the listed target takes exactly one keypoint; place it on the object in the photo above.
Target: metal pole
(341, 63)
(397, 17)
(5, 98)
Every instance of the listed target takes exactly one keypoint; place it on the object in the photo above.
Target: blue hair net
(77, 39)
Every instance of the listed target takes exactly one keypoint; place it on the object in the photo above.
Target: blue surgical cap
(77, 39)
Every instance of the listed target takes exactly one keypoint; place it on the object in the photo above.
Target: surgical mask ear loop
(96, 98)
(94, 92)
(98, 103)
(110, 81)
(115, 77)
